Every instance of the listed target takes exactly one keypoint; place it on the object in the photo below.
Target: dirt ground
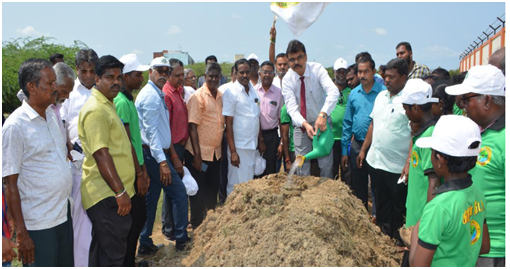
(266, 223)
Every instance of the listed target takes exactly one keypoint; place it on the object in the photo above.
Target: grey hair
(186, 71)
(497, 100)
(213, 66)
(63, 71)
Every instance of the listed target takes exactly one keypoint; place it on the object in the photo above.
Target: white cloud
(30, 31)
(340, 47)
(380, 31)
(136, 51)
(173, 30)
(236, 16)
(361, 46)
(441, 51)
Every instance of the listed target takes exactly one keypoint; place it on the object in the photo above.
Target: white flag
(298, 16)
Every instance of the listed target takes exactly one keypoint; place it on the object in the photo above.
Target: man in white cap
(337, 116)
(483, 96)
(85, 71)
(132, 75)
(158, 149)
(452, 231)
(388, 138)
(310, 96)
(254, 70)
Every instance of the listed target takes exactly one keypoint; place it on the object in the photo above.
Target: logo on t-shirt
(414, 159)
(475, 231)
(484, 156)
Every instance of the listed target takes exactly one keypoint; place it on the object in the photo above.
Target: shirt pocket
(273, 109)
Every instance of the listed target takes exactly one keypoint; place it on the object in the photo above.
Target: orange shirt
(206, 112)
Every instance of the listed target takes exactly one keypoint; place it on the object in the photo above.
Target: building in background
(181, 55)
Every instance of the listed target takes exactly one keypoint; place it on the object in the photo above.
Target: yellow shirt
(99, 127)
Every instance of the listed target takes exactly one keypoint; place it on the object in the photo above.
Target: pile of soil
(315, 222)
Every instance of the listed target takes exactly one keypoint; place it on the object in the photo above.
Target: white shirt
(245, 110)
(32, 148)
(70, 110)
(277, 82)
(321, 93)
(188, 91)
(391, 134)
(225, 86)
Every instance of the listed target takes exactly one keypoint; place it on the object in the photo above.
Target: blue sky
(438, 32)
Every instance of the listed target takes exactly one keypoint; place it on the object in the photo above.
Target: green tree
(15, 52)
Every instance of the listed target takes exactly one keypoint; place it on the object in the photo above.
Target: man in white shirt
(253, 59)
(310, 96)
(85, 69)
(35, 173)
(241, 111)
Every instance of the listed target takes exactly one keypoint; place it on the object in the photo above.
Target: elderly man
(254, 70)
(85, 69)
(483, 96)
(37, 179)
(132, 79)
(108, 169)
(241, 111)
(498, 59)
(404, 51)
(310, 96)
(65, 85)
(203, 150)
(160, 158)
(190, 79)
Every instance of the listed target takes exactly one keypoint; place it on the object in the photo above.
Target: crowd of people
(85, 161)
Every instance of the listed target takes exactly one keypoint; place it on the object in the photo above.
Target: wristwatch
(324, 115)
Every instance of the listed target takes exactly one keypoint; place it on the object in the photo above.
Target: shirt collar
(208, 92)
(455, 185)
(180, 89)
(32, 114)
(127, 94)
(271, 88)
(498, 124)
(158, 90)
(100, 96)
(374, 87)
(426, 126)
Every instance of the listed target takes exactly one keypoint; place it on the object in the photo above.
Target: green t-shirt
(285, 119)
(127, 113)
(458, 111)
(452, 224)
(337, 116)
(418, 182)
(489, 177)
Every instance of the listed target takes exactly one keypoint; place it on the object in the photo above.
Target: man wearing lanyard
(158, 152)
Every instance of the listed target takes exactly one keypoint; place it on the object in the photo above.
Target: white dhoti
(246, 168)
(82, 227)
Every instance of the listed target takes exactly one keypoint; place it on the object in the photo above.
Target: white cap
(453, 135)
(417, 91)
(160, 61)
(253, 56)
(481, 79)
(340, 63)
(131, 63)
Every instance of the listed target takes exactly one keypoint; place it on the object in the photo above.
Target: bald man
(498, 59)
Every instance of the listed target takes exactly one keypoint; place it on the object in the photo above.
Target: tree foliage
(15, 52)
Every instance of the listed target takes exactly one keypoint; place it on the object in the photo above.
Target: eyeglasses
(465, 100)
(163, 71)
(267, 73)
(299, 58)
(192, 78)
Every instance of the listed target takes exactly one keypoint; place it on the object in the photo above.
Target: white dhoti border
(82, 227)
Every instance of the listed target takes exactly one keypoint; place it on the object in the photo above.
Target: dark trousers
(359, 177)
(390, 201)
(109, 234)
(272, 141)
(138, 217)
(222, 190)
(208, 183)
(337, 162)
(167, 219)
(54, 246)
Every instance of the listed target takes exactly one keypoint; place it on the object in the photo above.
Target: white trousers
(82, 227)
(246, 168)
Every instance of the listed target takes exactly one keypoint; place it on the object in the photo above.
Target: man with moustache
(132, 79)
(254, 70)
(158, 152)
(404, 51)
(85, 70)
(310, 96)
(108, 169)
(388, 137)
(35, 173)
(356, 122)
(65, 85)
(241, 111)
(337, 116)
(210, 59)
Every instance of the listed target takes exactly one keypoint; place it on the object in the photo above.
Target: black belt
(270, 130)
(167, 151)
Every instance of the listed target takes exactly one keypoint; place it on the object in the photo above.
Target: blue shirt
(357, 114)
(154, 120)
